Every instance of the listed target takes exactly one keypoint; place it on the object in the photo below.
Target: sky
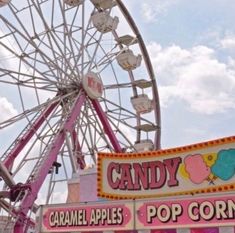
(192, 49)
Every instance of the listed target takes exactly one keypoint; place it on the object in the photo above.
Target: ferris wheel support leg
(8, 162)
(107, 127)
(77, 150)
(50, 157)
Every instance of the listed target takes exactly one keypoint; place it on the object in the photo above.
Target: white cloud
(152, 9)
(228, 42)
(194, 76)
(6, 109)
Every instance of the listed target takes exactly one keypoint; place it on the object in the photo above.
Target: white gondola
(144, 145)
(128, 61)
(103, 22)
(142, 104)
(4, 2)
(127, 40)
(104, 4)
(73, 2)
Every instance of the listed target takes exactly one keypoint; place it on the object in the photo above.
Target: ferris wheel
(75, 80)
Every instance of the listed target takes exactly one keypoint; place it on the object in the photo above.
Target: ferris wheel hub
(93, 85)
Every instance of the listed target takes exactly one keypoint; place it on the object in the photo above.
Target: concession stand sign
(206, 167)
(100, 216)
(209, 211)
(188, 213)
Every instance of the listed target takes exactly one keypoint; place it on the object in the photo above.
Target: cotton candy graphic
(210, 158)
(224, 167)
(183, 171)
(196, 168)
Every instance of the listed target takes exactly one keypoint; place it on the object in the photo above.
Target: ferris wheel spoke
(77, 149)
(71, 152)
(128, 113)
(22, 58)
(27, 134)
(84, 144)
(115, 124)
(50, 37)
(98, 129)
(45, 58)
(68, 35)
(28, 83)
(29, 112)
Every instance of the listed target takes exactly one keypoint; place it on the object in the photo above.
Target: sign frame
(116, 161)
(85, 217)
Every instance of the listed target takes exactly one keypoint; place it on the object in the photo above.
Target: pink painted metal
(107, 127)
(51, 157)
(77, 149)
(24, 139)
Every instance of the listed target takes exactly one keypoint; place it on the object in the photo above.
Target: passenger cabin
(142, 104)
(4, 2)
(73, 2)
(103, 22)
(128, 61)
(144, 145)
(104, 4)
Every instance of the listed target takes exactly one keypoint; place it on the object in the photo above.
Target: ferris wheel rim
(150, 71)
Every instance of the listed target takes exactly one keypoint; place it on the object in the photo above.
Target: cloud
(6, 109)
(151, 10)
(195, 76)
(228, 42)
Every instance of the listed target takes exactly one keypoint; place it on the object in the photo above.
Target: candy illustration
(196, 168)
(224, 167)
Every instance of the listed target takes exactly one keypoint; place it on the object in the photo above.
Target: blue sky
(192, 48)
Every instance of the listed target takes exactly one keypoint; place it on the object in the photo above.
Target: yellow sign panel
(200, 168)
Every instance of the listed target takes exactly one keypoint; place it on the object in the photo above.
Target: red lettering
(111, 168)
(99, 87)
(158, 174)
(94, 84)
(141, 175)
(172, 166)
(126, 179)
(90, 82)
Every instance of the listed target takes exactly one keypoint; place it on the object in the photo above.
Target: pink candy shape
(197, 168)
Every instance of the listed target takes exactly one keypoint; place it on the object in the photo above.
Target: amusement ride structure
(80, 81)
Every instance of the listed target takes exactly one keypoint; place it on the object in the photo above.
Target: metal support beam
(107, 127)
(24, 139)
(47, 163)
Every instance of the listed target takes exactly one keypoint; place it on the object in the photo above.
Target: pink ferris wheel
(75, 80)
